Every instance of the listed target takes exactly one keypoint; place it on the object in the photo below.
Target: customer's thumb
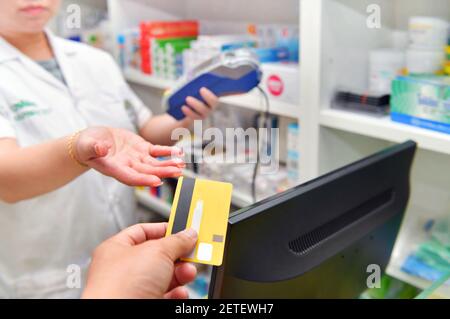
(179, 244)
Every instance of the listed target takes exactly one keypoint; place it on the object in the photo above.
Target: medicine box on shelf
(422, 101)
(281, 81)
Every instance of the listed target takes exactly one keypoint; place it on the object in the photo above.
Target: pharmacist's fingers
(210, 98)
(198, 106)
(177, 162)
(161, 151)
(189, 113)
(123, 172)
(129, 176)
(161, 172)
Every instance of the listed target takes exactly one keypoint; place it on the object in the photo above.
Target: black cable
(266, 100)
(264, 114)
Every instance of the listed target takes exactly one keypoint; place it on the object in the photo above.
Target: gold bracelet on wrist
(70, 148)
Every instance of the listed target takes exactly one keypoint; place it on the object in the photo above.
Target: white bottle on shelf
(427, 33)
(385, 65)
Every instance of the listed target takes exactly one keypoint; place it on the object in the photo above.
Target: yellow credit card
(204, 206)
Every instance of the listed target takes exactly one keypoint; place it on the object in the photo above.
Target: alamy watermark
(74, 274)
(373, 20)
(234, 146)
(73, 280)
(73, 18)
(374, 278)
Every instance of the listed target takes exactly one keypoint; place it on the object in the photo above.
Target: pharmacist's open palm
(126, 156)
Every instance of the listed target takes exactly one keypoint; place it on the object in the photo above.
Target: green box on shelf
(167, 56)
(172, 45)
(422, 101)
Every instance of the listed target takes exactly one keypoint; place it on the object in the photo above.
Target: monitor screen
(321, 239)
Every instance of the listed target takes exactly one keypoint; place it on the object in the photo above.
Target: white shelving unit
(136, 76)
(252, 101)
(395, 271)
(335, 43)
(337, 56)
(383, 128)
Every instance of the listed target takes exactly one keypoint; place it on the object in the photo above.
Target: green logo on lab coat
(25, 109)
(20, 105)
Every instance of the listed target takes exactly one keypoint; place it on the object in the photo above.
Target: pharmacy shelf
(396, 272)
(253, 100)
(239, 198)
(411, 236)
(136, 76)
(153, 203)
(382, 127)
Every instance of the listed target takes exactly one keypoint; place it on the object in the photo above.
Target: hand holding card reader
(231, 72)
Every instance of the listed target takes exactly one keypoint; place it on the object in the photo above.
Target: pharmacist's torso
(41, 107)
(41, 237)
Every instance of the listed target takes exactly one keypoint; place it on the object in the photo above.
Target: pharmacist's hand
(198, 110)
(126, 156)
(139, 263)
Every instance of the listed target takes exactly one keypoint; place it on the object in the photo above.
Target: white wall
(258, 11)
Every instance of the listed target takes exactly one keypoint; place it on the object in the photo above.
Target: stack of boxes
(162, 42)
(278, 51)
(423, 98)
(428, 37)
(129, 53)
(171, 49)
(276, 43)
(422, 101)
(167, 57)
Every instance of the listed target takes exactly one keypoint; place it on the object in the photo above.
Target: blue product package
(238, 45)
(292, 46)
(416, 267)
(76, 38)
(266, 55)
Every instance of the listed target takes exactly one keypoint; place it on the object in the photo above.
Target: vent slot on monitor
(306, 242)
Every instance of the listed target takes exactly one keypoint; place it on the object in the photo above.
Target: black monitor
(317, 240)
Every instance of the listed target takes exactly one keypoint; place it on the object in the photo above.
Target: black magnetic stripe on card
(184, 205)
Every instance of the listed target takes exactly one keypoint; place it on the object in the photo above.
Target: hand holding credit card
(204, 206)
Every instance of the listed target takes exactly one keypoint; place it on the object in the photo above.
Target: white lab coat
(41, 237)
